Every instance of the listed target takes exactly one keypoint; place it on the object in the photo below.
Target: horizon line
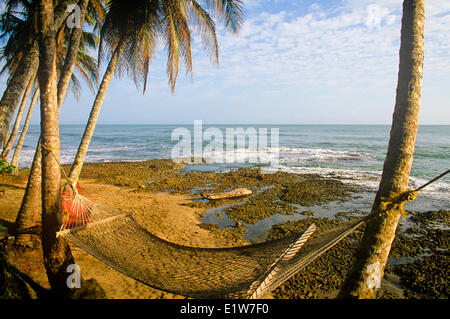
(281, 124)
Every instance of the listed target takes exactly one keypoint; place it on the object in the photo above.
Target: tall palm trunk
(7, 148)
(373, 251)
(95, 111)
(57, 254)
(31, 202)
(19, 145)
(15, 88)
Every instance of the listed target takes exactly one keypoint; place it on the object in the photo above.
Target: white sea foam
(298, 155)
(369, 179)
(285, 155)
(350, 166)
(67, 156)
(435, 196)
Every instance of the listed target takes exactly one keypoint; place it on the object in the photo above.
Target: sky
(293, 62)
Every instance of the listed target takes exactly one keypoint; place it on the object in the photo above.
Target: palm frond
(230, 11)
(143, 23)
(203, 20)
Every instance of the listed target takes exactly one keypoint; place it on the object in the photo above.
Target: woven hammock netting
(251, 271)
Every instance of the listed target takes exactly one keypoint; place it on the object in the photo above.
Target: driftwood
(238, 192)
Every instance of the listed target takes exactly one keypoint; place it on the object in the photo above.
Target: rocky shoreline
(419, 258)
(418, 264)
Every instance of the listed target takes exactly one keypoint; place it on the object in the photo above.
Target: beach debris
(208, 226)
(238, 192)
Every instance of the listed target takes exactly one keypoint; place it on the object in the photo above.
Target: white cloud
(313, 48)
(314, 60)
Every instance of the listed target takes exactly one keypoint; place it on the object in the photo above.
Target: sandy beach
(162, 214)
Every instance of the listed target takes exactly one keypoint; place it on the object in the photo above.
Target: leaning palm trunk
(71, 57)
(29, 209)
(16, 87)
(5, 137)
(57, 254)
(95, 111)
(19, 145)
(7, 148)
(368, 269)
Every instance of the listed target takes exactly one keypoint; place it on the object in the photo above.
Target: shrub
(5, 167)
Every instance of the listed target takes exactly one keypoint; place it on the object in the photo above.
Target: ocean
(351, 153)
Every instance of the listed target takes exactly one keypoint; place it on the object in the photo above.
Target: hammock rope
(117, 239)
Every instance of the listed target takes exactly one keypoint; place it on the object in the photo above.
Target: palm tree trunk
(30, 207)
(18, 149)
(7, 148)
(57, 254)
(368, 269)
(61, 13)
(30, 201)
(70, 59)
(15, 88)
(5, 137)
(95, 111)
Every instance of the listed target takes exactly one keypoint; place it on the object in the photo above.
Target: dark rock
(90, 289)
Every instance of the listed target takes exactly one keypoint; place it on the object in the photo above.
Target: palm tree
(129, 35)
(84, 65)
(19, 145)
(131, 25)
(8, 146)
(77, 41)
(26, 63)
(380, 232)
(21, 53)
(30, 206)
(57, 255)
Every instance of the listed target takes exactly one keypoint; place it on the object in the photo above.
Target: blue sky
(293, 62)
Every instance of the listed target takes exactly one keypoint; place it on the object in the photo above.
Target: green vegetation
(5, 167)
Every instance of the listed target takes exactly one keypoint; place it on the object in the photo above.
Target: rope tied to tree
(68, 180)
(391, 205)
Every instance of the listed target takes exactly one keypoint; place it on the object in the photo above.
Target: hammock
(251, 271)
(115, 238)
